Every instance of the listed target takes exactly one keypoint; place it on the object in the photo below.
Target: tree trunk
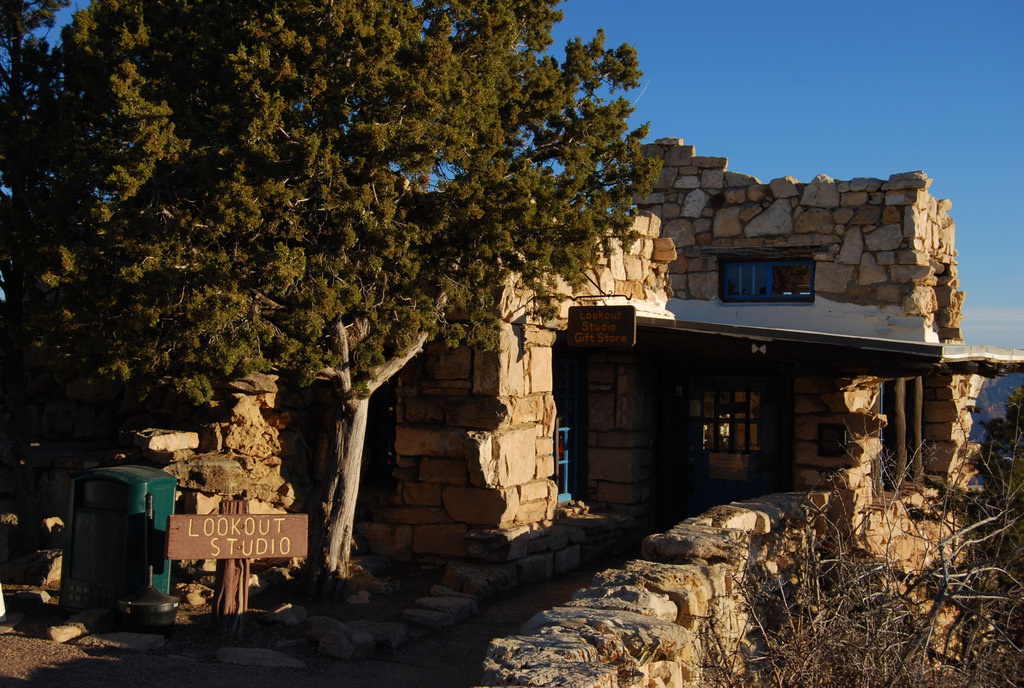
(330, 548)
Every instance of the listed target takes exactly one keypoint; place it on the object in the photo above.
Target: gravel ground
(449, 658)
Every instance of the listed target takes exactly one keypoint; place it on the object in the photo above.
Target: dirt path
(449, 658)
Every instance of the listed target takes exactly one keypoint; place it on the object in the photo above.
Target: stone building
(756, 338)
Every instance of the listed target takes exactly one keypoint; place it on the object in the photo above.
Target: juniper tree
(317, 186)
(29, 81)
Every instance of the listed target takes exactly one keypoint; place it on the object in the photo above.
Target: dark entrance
(719, 444)
(731, 440)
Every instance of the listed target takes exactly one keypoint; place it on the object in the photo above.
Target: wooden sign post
(234, 537)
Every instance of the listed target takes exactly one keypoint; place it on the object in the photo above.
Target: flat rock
(65, 632)
(319, 626)
(389, 633)
(124, 640)
(460, 608)
(10, 621)
(430, 618)
(255, 656)
(649, 639)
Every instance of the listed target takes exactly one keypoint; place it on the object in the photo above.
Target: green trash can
(109, 542)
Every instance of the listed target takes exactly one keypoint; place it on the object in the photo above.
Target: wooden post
(899, 402)
(916, 417)
(231, 600)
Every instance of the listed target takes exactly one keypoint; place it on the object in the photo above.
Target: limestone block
(666, 178)
(194, 502)
(503, 458)
(727, 223)
(422, 494)
(487, 507)
(545, 458)
(220, 474)
(776, 221)
(540, 370)
(853, 247)
(677, 154)
(622, 493)
(247, 431)
(693, 204)
(618, 464)
(430, 441)
(159, 440)
(854, 198)
(680, 231)
(566, 559)
(536, 567)
(908, 180)
(784, 187)
(500, 373)
(712, 178)
(686, 543)
(417, 410)
(536, 511)
(443, 470)
(703, 287)
(664, 250)
(814, 221)
(709, 162)
(476, 412)
(902, 197)
(821, 193)
(885, 238)
(506, 544)
(537, 490)
(921, 301)
(459, 607)
(440, 540)
(556, 657)
(445, 363)
(867, 215)
(630, 598)
(738, 518)
(831, 278)
(644, 636)
(870, 272)
(687, 182)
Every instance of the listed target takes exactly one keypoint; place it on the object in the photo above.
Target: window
(790, 280)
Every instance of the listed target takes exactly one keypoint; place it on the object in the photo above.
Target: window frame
(727, 266)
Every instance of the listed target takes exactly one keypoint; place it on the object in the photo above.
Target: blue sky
(850, 90)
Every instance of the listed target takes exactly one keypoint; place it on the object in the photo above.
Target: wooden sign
(604, 326)
(236, 536)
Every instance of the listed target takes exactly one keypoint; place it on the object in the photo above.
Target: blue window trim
(729, 267)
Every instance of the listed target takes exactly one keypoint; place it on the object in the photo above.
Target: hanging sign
(236, 536)
(603, 326)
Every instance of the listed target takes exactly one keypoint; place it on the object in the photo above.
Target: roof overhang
(846, 354)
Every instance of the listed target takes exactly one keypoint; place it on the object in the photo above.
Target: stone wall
(649, 623)
(883, 249)
(620, 455)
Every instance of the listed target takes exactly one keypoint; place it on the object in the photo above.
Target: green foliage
(248, 173)
(28, 150)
